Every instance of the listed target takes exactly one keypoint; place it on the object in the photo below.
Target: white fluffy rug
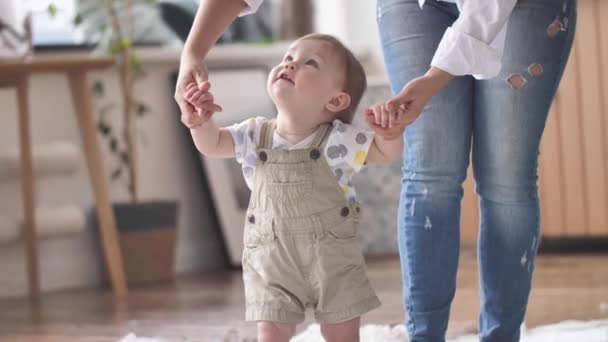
(567, 331)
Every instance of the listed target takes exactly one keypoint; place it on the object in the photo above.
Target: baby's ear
(338, 103)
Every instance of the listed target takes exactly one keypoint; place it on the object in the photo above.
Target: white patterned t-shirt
(345, 150)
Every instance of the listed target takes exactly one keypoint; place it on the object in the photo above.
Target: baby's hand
(387, 120)
(202, 101)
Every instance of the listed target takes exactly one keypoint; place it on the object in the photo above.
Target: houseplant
(147, 229)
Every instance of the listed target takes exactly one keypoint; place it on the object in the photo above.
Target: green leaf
(114, 46)
(52, 10)
(141, 109)
(135, 60)
(78, 19)
(125, 43)
(113, 145)
(98, 88)
(117, 45)
(116, 173)
(103, 128)
(152, 2)
(124, 156)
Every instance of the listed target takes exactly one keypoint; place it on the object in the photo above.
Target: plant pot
(147, 236)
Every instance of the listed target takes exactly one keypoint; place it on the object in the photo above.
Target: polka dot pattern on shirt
(345, 150)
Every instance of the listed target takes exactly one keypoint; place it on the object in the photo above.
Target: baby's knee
(340, 336)
(275, 332)
(341, 332)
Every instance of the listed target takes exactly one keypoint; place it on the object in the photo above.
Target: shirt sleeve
(251, 7)
(246, 136)
(474, 44)
(348, 145)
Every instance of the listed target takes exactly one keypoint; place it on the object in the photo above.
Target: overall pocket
(343, 231)
(258, 231)
(289, 183)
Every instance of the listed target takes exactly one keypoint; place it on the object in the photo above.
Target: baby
(300, 230)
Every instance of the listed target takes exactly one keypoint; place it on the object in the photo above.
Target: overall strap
(321, 136)
(267, 133)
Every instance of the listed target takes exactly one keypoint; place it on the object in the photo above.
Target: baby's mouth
(283, 76)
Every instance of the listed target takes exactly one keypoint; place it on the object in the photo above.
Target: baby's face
(310, 75)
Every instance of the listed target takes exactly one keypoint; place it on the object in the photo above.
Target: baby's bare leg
(342, 332)
(275, 331)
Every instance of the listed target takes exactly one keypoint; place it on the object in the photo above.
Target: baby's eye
(288, 58)
(313, 63)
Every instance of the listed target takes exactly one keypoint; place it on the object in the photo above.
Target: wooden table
(16, 74)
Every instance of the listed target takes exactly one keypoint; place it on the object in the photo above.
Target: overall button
(263, 156)
(251, 219)
(315, 154)
(344, 211)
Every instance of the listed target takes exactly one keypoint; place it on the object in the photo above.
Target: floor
(210, 307)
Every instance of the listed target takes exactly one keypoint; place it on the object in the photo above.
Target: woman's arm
(211, 19)
(474, 44)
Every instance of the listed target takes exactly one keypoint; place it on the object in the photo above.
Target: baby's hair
(355, 81)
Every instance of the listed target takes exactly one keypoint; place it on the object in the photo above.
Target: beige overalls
(300, 239)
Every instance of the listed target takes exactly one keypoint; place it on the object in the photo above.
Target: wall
(354, 22)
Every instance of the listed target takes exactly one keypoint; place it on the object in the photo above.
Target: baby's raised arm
(213, 141)
(208, 138)
(389, 124)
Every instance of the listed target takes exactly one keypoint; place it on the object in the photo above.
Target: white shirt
(473, 45)
(345, 150)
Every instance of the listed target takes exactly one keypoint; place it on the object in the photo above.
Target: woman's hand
(386, 123)
(192, 70)
(417, 93)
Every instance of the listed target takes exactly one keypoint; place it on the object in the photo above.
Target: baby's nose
(290, 66)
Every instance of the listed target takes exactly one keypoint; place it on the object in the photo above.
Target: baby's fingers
(199, 98)
(191, 85)
(211, 107)
(191, 92)
(373, 116)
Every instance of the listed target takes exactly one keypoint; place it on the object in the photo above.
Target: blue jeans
(502, 119)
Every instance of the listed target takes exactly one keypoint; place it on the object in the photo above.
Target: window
(51, 31)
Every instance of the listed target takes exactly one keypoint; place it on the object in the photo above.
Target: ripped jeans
(502, 120)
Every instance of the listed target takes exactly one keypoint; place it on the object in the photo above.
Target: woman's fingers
(191, 85)
(190, 93)
(385, 116)
(201, 97)
(393, 114)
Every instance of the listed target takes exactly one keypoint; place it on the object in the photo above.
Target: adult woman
(503, 109)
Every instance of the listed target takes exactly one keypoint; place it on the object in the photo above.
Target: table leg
(27, 184)
(107, 224)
